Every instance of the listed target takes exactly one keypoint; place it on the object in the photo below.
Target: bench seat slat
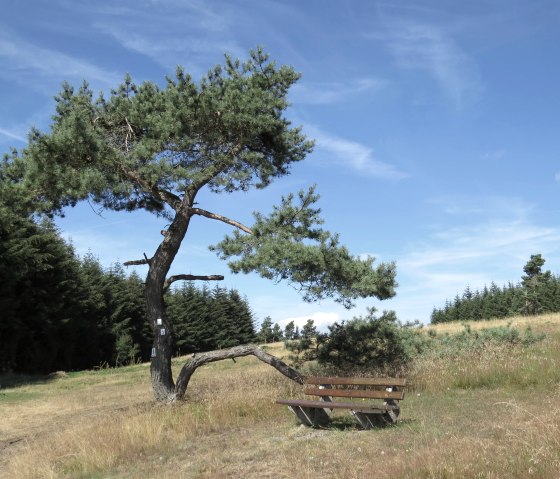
(355, 393)
(399, 382)
(335, 405)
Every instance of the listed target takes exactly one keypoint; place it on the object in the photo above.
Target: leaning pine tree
(155, 148)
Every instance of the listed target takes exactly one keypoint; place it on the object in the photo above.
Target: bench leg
(392, 414)
(311, 416)
(370, 420)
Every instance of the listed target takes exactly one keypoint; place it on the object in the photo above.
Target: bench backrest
(377, 388)
(385, 382)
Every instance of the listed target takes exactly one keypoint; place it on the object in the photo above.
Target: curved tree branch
(214, 216)
(201, 359)
(191, 277)
(162, 195)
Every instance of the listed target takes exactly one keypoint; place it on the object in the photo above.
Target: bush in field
(370, 342)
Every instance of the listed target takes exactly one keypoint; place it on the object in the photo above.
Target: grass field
(489, 414)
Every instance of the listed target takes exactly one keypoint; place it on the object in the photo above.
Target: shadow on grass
(350, 424)
(10, 380)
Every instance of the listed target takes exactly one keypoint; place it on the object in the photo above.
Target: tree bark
(162, 350)
(201, 359)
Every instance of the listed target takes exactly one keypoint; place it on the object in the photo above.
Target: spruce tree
(289, 331)
(265, 333)
(309, 330)
(277, 334)
(534, 284)
(240, 313)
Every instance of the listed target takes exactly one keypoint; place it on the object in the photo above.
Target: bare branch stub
(137, 262)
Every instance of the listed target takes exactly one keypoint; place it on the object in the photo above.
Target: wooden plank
(356, 406)
(387, 382)
(355, 393)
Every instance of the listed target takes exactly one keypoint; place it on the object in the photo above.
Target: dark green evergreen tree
(265, 333)
(208, 319)
(277, 334)
(534, 285)
(187, 310)
(41, 325)
(240, 311)
(309, 331)
(129, 328)
(289, 331)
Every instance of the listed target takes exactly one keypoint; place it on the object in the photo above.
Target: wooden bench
(358, 394)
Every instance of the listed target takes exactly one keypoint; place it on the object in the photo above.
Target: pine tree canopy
(155, 148)
(146, 146)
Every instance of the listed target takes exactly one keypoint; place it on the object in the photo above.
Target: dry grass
(546, 322)
(38, 405)
(490, 415)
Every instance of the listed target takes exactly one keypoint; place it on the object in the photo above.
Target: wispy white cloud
(327, 93)
(428, 47)
(353, 155)
(13, 135)
(172, 33)
(173, 50)
(493, 247)
(18, 130)
(481, 242)
(490, 208)
(30, 64)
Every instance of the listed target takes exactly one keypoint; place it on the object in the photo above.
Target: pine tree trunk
(162, 349)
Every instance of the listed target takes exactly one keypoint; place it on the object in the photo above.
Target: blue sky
(437, 128)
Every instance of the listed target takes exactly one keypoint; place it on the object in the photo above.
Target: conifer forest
(63, 312)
